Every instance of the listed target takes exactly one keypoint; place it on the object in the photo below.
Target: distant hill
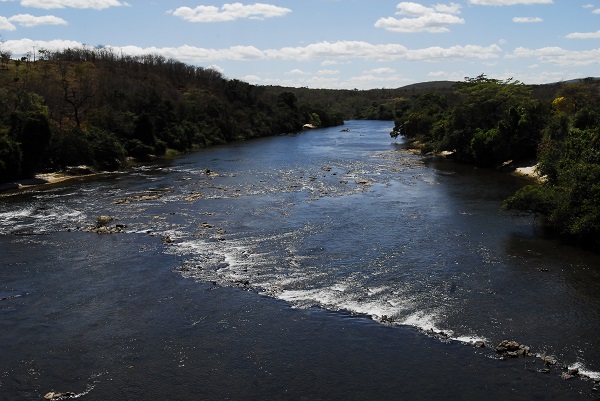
(431, 86)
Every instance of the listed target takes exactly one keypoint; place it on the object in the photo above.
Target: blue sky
(348, 44)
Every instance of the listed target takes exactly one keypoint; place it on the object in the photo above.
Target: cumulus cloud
(322, 51)
(584, 35)
(6, 25)
(508, 2)
(217, 68)
(527, 19)
(94, 4)
(22, 46)
(229, 12)
(380, 52)
(559, 56)
(422, 18)
(28, 20)
(435, 54)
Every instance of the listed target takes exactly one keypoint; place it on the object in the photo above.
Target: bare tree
(77, 83)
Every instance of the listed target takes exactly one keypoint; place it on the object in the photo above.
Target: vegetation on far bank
(494, 123)
(90, 106)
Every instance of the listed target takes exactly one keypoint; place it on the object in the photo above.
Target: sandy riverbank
(529, 172)
(49, 178)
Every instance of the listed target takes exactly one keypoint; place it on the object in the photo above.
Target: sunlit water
(340, 221)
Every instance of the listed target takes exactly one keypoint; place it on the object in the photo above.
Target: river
(329, 264)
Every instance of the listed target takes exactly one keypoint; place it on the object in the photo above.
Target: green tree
(108, 153)
(569, 199)
(10, 158)
(71, 148)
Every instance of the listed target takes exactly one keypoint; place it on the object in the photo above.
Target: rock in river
(512, 349)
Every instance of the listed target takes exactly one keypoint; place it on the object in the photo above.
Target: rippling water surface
(330, 221)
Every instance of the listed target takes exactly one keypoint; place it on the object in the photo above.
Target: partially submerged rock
(102, 221)
(145, 196)
(102, 226)
(566, 376)
(387, 319)
(512, 349)
(548, 359)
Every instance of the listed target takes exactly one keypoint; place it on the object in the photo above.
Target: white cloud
(421, 18)
(216, 68)
(328, 72)
(596, 11)
(433, 23)
(508, 2)
(229, 12)
(584, 35)
(337, 51)
(253, 79)
(381, 71)
(435, 54)
(559, 56)
(544, 77)
(22, 46)
(28, 20)
(380, 52)
(452, 8)
(6, 25)
(527, 19)
(368, 81)
(447, 75)
(296, 71)
(416, 9)
(94, 4)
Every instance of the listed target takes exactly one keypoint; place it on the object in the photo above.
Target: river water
(324, 265)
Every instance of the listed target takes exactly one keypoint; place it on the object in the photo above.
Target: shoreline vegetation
(91, 107)
(50, 178)
(550, 133)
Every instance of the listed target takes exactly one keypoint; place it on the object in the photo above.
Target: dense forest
(494, 123)
(90, 106)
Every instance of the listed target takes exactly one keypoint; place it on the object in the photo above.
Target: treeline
(91, 106)
(496, 123)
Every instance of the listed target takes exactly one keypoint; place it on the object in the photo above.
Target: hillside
(91, 106)
(88, 106)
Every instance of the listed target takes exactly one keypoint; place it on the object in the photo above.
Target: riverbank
(530, 172)
(43, 179)
(527, 170)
